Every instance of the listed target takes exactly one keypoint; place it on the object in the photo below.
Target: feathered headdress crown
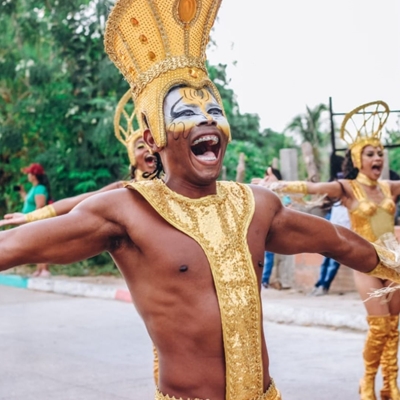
(158, 44)
(363, 126)
(124, 131)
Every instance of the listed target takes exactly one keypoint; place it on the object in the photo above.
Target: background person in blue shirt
(37, 197)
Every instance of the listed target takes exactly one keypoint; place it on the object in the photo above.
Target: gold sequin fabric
(123, 125)
(41, 213)
(371, 220)
(271, 394)
(158, 44)
(219, 224)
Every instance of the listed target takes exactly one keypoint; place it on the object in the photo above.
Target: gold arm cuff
(41, 213)
(388, 264)
(289, 187)
(384, 272)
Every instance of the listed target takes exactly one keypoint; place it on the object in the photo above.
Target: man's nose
(208, 121)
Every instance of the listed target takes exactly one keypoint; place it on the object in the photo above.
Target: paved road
(62, 347)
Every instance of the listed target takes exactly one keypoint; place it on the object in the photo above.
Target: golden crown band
(158, 45)
(357, 147)
(170, 64)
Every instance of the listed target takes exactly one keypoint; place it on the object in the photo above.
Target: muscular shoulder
(112, 204)
(113, 211)
(265, 199)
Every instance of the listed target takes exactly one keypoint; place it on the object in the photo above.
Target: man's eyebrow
(195, 105)
(212, 104)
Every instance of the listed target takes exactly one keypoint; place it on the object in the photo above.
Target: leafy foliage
(58, 92)
(311, 127)
(394, 153)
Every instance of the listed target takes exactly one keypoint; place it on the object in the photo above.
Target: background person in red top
(37, 197)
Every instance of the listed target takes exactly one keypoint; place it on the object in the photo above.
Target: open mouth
(206, 148)
(150, 160)
(377, 168)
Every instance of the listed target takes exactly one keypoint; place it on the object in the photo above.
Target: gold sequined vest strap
(219, 224)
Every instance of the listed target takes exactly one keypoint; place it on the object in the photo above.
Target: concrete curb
(273, 311)
(306, 316)
(71, 288)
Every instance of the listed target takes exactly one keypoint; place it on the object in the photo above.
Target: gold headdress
(157, 45)
(125, 133)
(363, 126)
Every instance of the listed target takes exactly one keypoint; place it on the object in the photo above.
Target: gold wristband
(41, 213)
(289, 187)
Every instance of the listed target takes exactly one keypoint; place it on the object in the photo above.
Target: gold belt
(272, 393)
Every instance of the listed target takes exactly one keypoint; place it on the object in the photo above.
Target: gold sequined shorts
(272, 393)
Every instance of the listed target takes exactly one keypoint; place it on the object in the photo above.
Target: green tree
(58, 92)
(393, 138)
(312, 127)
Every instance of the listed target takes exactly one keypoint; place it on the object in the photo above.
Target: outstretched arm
(84, 232)
(60, 207)
(295, 232)
(330, 189)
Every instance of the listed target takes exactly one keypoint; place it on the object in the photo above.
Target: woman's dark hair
(159, 170)
(44, 180)
(276, 172)
(335, 165)
(132, 171)
(348, 168)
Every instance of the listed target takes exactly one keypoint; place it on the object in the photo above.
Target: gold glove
(289, 187)
(41, 213)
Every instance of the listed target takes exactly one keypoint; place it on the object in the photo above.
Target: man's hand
(13, 219)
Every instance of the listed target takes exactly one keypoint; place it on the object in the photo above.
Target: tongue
(208, 155)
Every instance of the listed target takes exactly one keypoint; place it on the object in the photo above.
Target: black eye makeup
(214, 111)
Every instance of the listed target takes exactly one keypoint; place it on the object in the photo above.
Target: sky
(293, 53)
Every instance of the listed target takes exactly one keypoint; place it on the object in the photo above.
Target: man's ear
(150, 142)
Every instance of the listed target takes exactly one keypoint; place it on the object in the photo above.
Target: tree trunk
(308, 155)
(241, 169)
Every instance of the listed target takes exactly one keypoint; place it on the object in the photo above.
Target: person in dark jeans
(269, 257)
(328, 271)
(329, 267)
(268, 264)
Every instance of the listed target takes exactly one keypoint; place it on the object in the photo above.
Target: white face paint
(186, 107)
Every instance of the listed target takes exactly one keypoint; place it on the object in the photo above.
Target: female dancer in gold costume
(371, 205)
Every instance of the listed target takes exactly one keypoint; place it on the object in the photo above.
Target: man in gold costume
(193, 260)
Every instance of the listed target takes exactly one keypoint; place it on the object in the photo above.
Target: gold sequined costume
(229, 212)
(371, 220)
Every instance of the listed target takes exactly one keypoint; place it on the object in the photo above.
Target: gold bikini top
(219, 224)
(371, 220)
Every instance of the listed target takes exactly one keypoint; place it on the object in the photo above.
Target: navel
(260, 264)
(183, 268)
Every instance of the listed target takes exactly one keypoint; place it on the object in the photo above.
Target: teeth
(212, 138)
(207, 158)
